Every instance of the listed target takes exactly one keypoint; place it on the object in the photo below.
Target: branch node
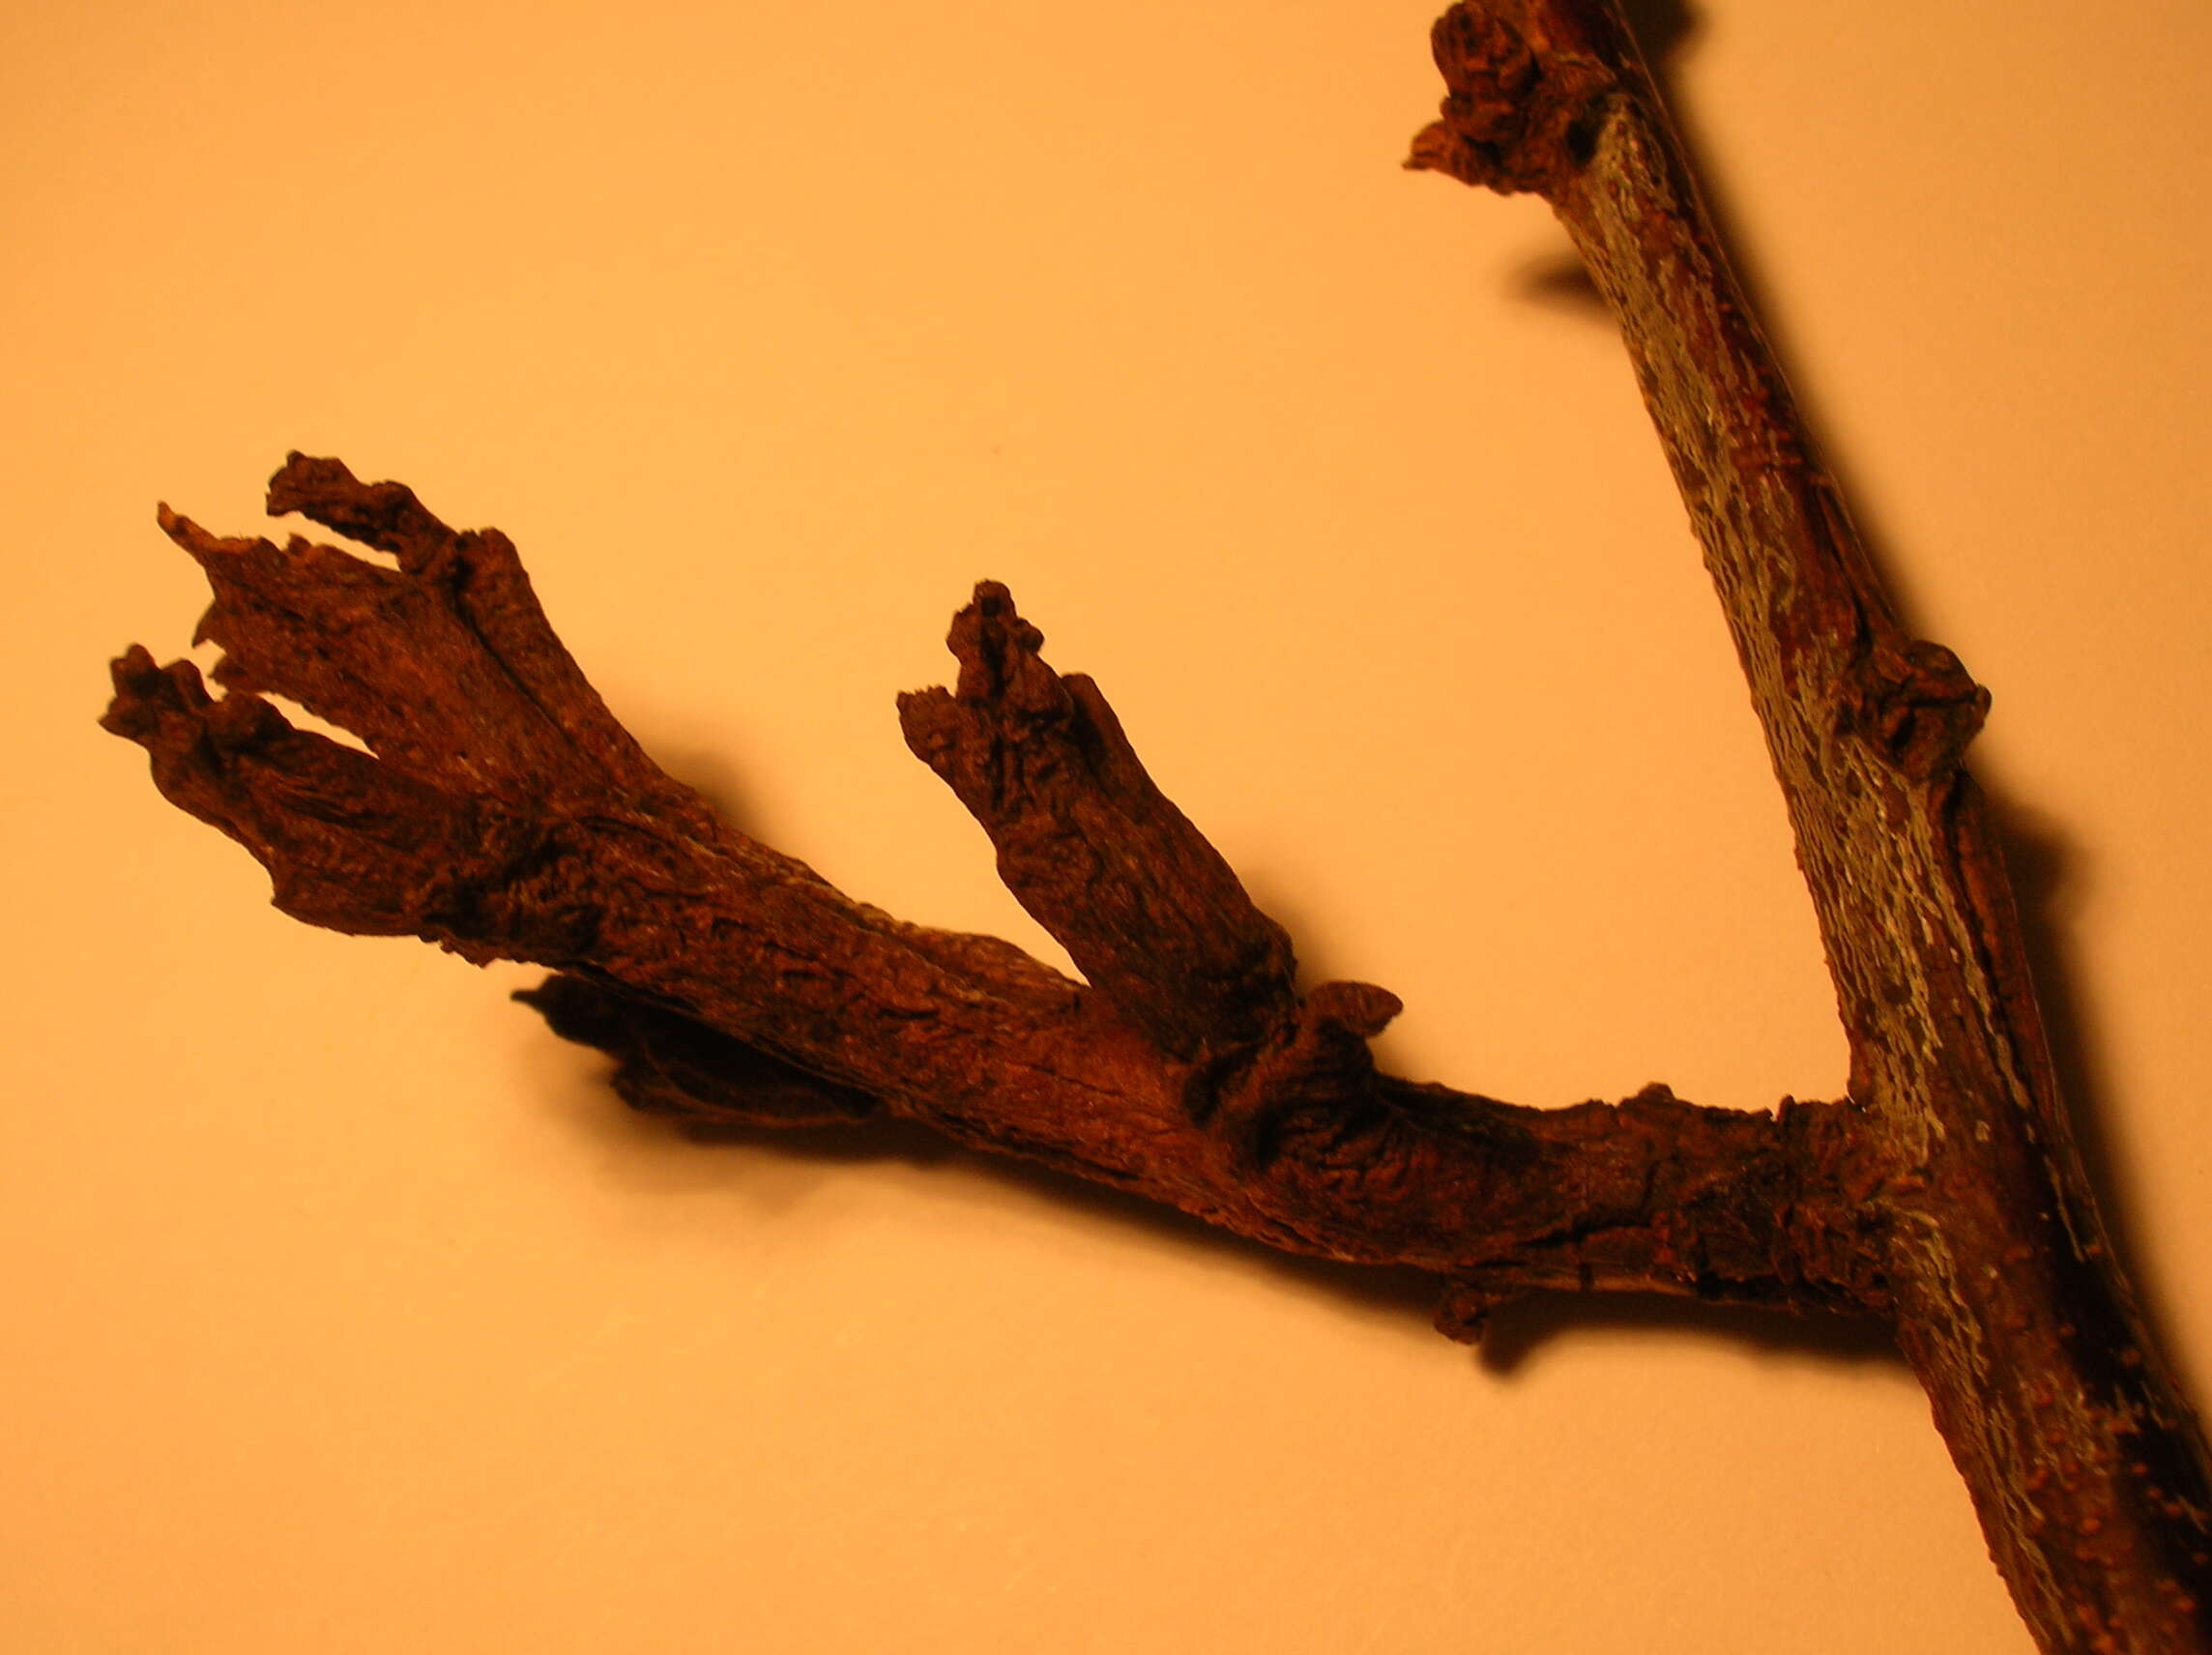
(1317, 1062)
(1521, 109)
(1916, 702)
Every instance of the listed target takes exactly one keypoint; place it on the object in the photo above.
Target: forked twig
(500, 811)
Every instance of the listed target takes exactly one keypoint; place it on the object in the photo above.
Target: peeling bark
(496, 808)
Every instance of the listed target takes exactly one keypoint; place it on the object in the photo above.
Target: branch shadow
(712, 776)
(632, 1142)
(1399, 1297)
(2050, 873)
(1520, 1330)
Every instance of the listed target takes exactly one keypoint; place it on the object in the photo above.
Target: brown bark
(503, 813)
(500, 810)
(2086, 1465)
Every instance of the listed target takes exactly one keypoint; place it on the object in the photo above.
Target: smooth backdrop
(345, 1309)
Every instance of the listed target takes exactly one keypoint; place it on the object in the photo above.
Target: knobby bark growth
(500, 811)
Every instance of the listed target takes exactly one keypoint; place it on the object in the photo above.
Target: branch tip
(1524, 96)
(1148, 909)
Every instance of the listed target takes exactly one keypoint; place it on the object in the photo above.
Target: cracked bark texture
(502, 812)
(498, 809)
(2087, 1467)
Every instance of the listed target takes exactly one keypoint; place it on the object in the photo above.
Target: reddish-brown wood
(2086, 1465)
(503, 813)
(500, 810)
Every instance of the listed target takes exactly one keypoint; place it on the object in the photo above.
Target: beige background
(344, 1310)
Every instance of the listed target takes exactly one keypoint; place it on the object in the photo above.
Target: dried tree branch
(500, 810)
(2086, 1465)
